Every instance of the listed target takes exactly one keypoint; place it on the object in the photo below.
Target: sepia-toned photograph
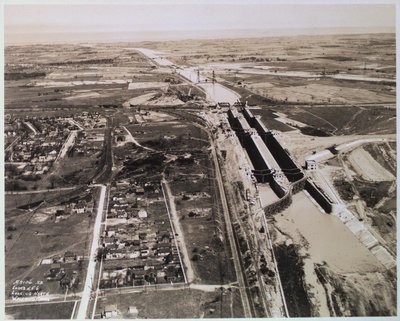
(199, 159)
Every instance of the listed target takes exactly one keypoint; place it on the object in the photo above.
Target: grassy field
(33, 240)
(198, 207)
(194, 193)
(268, 118)
(61, 310)
(248, 65)
(180, 303)
(175, 129)
(13, 201)
(334, 120)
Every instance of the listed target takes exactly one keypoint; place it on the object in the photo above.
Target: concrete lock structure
(271, 162)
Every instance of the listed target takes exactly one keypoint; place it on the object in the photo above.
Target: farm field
(332, 120)
(296, 69)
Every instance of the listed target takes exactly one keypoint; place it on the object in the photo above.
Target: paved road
(31, 127)
(74, 122)
(13, 143)
(68, 143)
(92, 263)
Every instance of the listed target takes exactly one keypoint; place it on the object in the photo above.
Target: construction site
(171, 181)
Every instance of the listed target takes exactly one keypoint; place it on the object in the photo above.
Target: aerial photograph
(199, 159)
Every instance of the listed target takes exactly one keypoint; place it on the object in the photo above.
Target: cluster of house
(138, 243)
(83, 143)
(111, 311)
(40, 141)
(90, 120)
(81, 206)
(129, 200)
(64, 270)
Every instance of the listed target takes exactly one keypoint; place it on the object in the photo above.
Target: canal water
(215, 92)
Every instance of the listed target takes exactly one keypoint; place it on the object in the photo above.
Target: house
(224, 105)
(122, 183)
(164, 244)
(311, 165)
(142, 213)
(122, 213)
(170, 275)
(47, 261)
(136, 242)
(133, 312)
(109, 240)
(163, 251)
(130, 198)
(163, 236)
(116, 253)
(110, 311)
(69, 257)
(133, 254)
(139, 191)
(65, 282)
(110, 231)
(80, 208)
(144, 252)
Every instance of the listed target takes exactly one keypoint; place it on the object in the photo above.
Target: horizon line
(157, 35)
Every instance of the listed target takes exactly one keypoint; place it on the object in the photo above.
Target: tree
(52, 180)
(196, 257)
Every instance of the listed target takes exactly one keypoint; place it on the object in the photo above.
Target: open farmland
(305, 69)
(101, 75)
(333, 120)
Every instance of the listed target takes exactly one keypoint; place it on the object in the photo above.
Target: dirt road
(178, 234)
(229, 232)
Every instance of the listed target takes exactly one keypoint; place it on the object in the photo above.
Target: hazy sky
(30, 21)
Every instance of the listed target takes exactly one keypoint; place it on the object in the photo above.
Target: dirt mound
(367, 167)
